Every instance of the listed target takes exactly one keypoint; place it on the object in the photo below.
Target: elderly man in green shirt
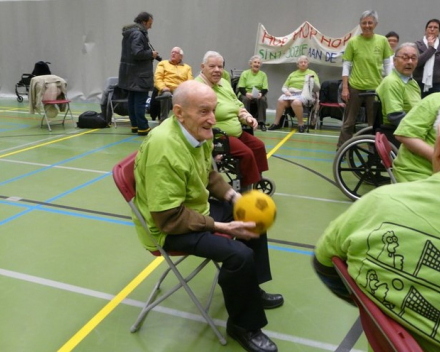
(399, 92)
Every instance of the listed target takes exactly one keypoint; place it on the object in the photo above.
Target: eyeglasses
(407, 58)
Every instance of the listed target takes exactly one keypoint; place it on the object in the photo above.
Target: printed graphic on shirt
(401, 272)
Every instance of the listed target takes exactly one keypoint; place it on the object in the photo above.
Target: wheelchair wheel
(364, 131)
(266, 186)
(357, 168)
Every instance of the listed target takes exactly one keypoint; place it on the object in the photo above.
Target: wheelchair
(357, 167)
(310, 115)
(225, 163)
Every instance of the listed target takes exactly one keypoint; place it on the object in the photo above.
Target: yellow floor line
(47, 143)
(279, 145)
(92, 323)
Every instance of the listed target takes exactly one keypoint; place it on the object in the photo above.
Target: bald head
(194, 107)
(188, 91)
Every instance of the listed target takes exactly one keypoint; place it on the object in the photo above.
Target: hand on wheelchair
(238, 229)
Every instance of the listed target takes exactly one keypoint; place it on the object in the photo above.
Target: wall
(82, 38)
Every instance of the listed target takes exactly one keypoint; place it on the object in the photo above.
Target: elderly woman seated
(253, 88)
(298, 90)
(230, 115)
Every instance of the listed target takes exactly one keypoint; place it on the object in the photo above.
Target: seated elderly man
(230, 115)
(417, 133)
(399, 92)
(392, 253)
(167, 77)
(175, 186)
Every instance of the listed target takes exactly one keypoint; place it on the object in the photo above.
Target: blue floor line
(65, 161)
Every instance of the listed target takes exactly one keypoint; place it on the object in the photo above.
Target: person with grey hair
(399, 92)
(231, 115)
(363, 60)
(294, 95)
(252, 88)
(167, 77)
(136, 70)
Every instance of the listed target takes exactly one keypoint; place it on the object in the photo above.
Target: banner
(305, 40)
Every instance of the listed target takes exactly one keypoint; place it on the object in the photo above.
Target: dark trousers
(351, 112)
(261, 106)
(245, 265)
(136, 109)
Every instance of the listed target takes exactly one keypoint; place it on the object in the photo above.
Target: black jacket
(136, 66)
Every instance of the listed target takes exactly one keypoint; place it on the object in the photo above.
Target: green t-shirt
(248, 80)
(296, 79)
(393, 253)
(169, 172)
(226, 76)
(418, 123)
(367, 55)
(396, 95)
(228, 106)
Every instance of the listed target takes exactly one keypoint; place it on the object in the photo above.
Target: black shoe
(144, 132)
(274, 126)
(301, 129)
(251, 340)
(271, 300)
(263, 127)
(134, 130)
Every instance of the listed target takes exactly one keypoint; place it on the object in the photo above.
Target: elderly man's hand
(239, 229)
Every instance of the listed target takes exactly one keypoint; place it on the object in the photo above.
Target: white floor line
(55, 167)
(313, 198)
(195, 317)
(28, 144)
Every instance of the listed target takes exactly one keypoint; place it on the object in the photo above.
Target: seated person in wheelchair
(387, 244)
(417, 133)
(174, 182)
(252, 88)
(399, 92)
(230, 115)
(168, 75)
(299, 89)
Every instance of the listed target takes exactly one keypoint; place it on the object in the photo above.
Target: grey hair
(302, 57)
(254, 57)
(370, 13)
(210, 54)
(404, 45)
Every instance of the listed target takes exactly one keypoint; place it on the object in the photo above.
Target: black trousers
(245, 265)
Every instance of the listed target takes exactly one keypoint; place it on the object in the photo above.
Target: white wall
(82, 38)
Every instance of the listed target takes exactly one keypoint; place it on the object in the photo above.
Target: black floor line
(308, 169)
(96, 212)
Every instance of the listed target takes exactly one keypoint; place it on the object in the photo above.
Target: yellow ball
(258, 207)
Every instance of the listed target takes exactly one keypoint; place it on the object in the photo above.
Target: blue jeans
(136, 109)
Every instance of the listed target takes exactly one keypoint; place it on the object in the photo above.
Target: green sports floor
(73, 275)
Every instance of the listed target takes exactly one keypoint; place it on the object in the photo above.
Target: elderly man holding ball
(174, 182)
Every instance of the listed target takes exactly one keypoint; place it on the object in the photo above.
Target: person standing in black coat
(136, 70)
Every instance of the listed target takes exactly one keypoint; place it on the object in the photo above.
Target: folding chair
(330, 103)
(382, 332)
(385, 152)
(117, 97)
(123, 175)
(51, 104)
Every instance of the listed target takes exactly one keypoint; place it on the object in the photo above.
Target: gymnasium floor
(72, 272)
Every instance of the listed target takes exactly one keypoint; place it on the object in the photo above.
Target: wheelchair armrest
(220, 142)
